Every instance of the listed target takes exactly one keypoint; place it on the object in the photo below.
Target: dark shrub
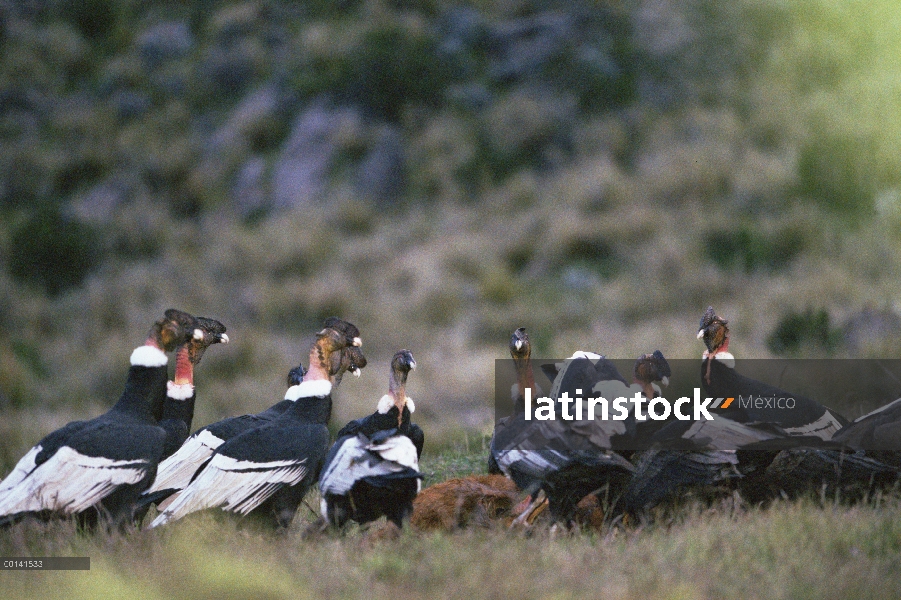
(53, 252)
(749, 249)
(798, 329)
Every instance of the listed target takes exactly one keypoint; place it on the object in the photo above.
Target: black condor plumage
(734, 446)
(684, 454)
(177, 471)
(605, 468)
(827, 467)
(373, 469)
(178, 407)
(521, 352)
(569, 459)
(98, 468)
(863, 455)
(721, 380)
(763, 453)
(760, 460)
(877, 433)
(266, 471)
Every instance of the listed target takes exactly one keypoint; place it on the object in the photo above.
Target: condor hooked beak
(355, 370)
(518, 345)
(357, 342)
(223, 339)
(412, 365)
(665, 381)
(700, 333)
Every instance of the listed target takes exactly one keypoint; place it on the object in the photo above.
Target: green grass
(803, 549)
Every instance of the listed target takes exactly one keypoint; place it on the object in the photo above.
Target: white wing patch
(20, 471)
(824, 427)
(611, 389)
(891, 404)
(354, 461)
(233, 485)
(714, 457)
(71, 482)
(725, 434)
(530, 460)
(176, 471)
(398, 449)
(562, 367)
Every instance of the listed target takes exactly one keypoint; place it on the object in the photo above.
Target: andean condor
(97, 469)
(178, 407)
(177, 471)
(814, 464)
(863, 455)
(721, 380)
(691, 454)
(762, 452)
(521, 352)
(351, 359)
(760, 460)
(266, 471)
(569, 459)
(373, 467)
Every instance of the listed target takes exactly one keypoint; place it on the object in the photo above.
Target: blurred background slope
(439, 174)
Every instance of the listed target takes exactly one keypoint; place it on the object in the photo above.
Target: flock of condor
(111, 470)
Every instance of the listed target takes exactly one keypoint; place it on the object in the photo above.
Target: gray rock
(327, 142)
(871, 327)
(380, 175)
(527, 44)
(251, 112)
(300, 173)
(469, 96)
(97, 205)
(248, 193)
(165, 41)
(579, 278)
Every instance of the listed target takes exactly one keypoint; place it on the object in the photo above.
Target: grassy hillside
(598, 172)
(808, 549)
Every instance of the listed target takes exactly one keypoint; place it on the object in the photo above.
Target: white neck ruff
(309, 389)
(724, 357)
(387, 401)
(148, 356)
(179, 391)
